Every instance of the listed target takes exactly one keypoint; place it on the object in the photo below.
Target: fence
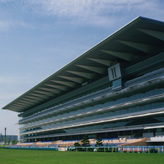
(120, 149)
(34, 148)
(142, 149)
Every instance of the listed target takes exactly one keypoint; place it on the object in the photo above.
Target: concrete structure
(113, 90)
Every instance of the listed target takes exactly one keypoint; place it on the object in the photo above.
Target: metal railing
(110, 149)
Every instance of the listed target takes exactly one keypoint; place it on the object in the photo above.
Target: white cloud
(104, 13)
(96, 12)
(7, 24)
(4, 25)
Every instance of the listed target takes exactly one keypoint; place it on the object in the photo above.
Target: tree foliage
(14, 142)
(76, 144)
(99, 142)
(8, 142)
(85, 141)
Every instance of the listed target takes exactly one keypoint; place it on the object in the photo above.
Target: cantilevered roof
(140, 39)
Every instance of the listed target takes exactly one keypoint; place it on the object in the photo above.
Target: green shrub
(108, 150)
(81, 149)
(100, 150)
(90, 149)
(155, 150)
(115, 149)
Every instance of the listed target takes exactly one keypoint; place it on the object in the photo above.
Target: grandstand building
(114, 90)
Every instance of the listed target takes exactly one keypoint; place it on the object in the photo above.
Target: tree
(8, 142)
(99, 142)
(76, 144)
(85, 141)
(14, 142)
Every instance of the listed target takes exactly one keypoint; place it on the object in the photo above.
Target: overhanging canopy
(140, 39)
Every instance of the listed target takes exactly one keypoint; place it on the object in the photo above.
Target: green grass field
(9, 156)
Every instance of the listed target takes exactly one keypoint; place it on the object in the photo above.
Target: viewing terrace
(101, 96)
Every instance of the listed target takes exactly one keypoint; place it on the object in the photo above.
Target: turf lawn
(8, 156)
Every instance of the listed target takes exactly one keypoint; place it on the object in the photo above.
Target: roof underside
(140, 39)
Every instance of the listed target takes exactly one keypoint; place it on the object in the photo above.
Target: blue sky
(38, 37)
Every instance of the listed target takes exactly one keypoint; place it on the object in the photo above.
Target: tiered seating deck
(25, 144)
(66, 143)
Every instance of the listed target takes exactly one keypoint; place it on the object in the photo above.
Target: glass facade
(105, 126)
(122, 109)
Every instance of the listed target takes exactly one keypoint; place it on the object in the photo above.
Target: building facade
(116, 89)
(8, 138)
